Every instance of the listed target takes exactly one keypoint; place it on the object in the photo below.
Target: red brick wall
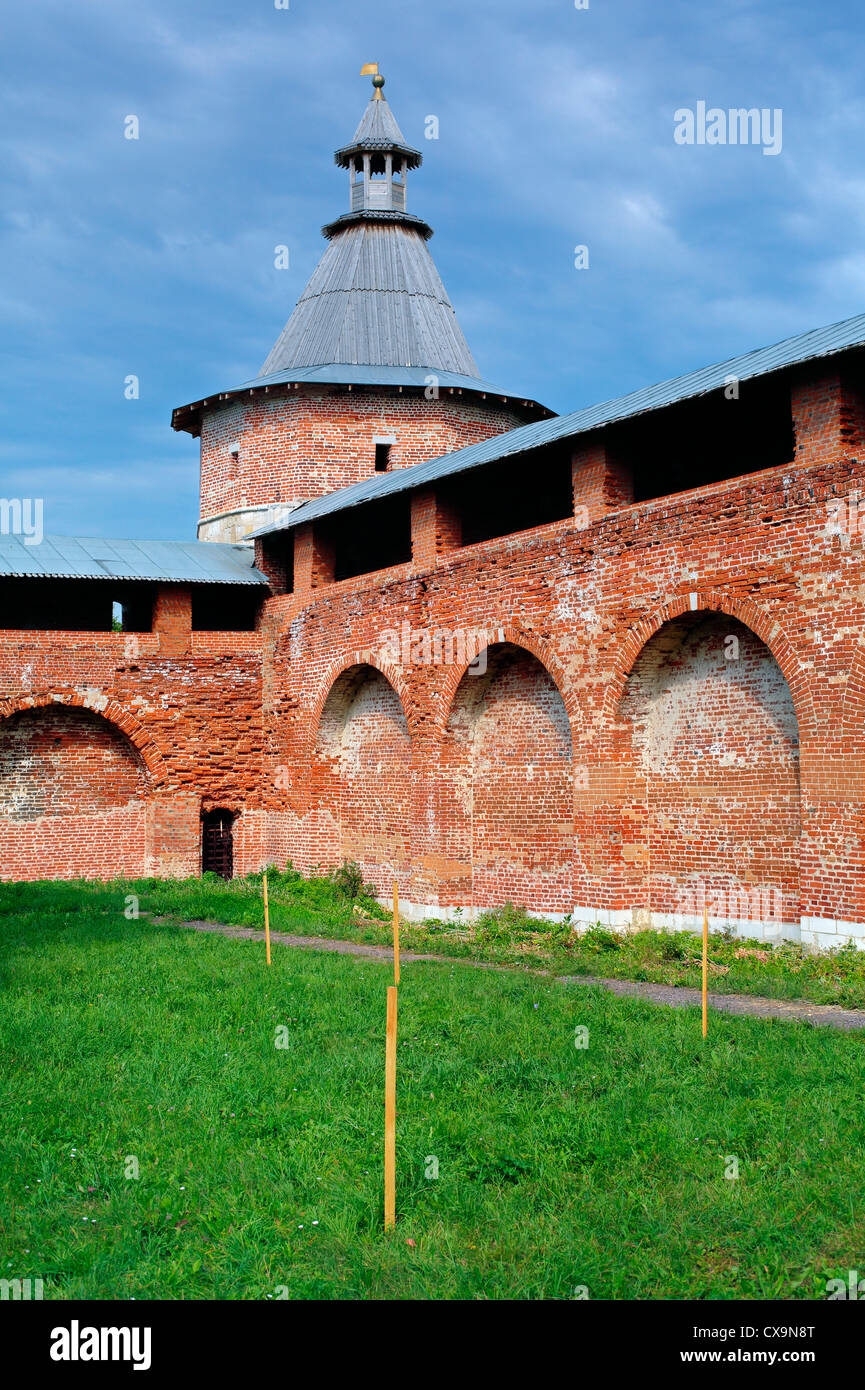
(505, 787)
(193, 723)
(172, 620)
(601, 483)
(765, 552)
(306, 443)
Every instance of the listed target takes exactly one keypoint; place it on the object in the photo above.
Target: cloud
(156, 256)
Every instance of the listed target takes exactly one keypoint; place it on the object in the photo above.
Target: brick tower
(371, 372)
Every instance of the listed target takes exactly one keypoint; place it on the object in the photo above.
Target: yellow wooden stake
(266, 922)
(395, 934)
(705, 971)
(390, 1113)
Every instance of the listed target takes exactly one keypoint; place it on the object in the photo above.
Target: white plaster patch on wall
(95, 698)
(569, 594)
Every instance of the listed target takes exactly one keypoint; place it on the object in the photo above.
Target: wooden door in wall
(217, 843)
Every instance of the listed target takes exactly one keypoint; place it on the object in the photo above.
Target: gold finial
(371, 70)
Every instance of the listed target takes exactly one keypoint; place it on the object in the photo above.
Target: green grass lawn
(312, 907)
(260, 1167)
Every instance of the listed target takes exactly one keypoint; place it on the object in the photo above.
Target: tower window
(382, 457)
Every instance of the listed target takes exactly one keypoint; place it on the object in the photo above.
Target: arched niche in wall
(707, 733)
(506, 785)
(73, 790)
(361, 779)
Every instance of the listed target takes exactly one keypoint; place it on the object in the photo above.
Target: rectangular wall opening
(369, 538)
(704, 441)
(225, 607)
(75, 605)
(514, 495)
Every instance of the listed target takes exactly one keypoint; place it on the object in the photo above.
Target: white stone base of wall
(818, 933)
(827, 932)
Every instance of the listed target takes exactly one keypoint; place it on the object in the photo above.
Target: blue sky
(155, 257)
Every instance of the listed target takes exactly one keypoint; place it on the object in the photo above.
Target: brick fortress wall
(669, 715)
(670, 712)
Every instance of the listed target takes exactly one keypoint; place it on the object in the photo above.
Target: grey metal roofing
(375, 298)
(378, 130)
(88, 557)
(817, 343)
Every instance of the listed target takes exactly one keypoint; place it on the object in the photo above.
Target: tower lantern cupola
(378, 157)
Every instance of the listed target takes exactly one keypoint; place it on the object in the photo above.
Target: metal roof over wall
(817, 343)
(86, 557)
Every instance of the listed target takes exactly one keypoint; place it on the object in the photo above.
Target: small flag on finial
(371, 70)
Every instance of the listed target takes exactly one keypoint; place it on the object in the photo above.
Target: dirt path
(788, 1010)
